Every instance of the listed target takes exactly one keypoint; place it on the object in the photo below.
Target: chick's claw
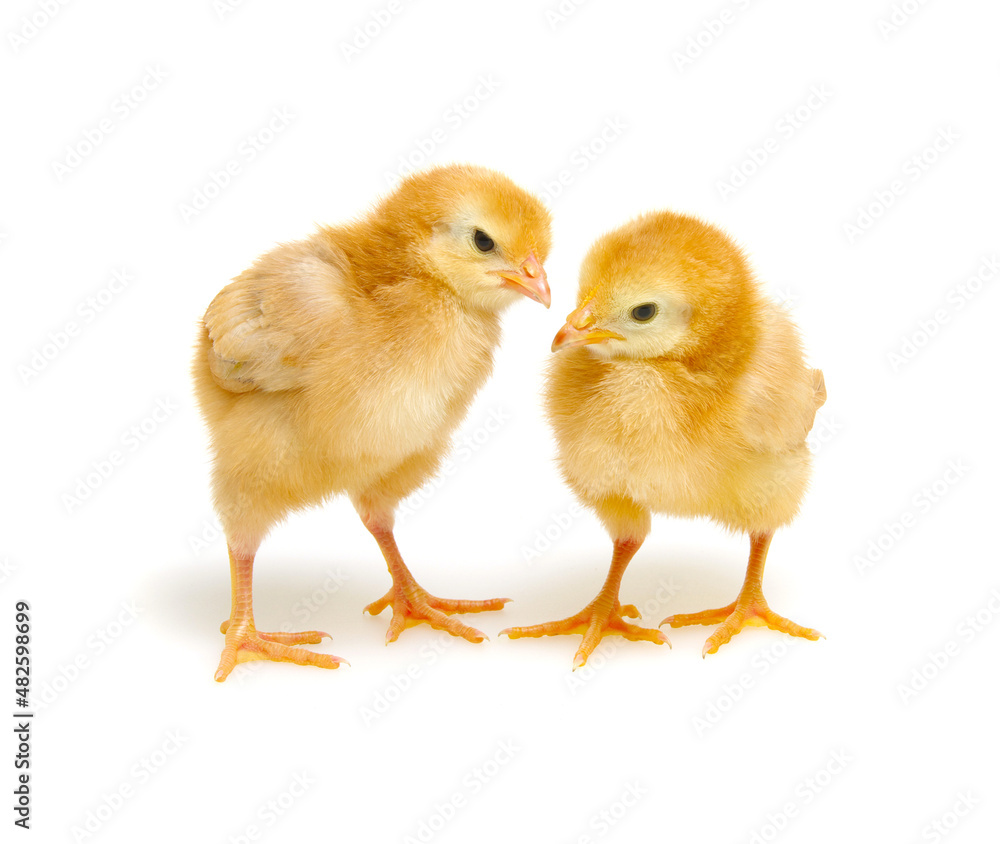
(412, 605)
(245, 644)
(594, 622)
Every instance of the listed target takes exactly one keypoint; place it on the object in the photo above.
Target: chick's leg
(749, 609)
(602, 616)
(245, 643)
(411, 604)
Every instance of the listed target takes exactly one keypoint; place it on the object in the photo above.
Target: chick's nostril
(531, 268)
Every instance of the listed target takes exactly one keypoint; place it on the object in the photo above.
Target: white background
(770, 739)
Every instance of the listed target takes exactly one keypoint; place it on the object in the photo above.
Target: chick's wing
(266, 326)
(779, 394)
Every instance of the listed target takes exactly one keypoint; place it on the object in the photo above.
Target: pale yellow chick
(343, 363)
(679, 388)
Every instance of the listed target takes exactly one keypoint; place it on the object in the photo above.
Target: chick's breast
(668, 440)
(621, 432)
(391, 391)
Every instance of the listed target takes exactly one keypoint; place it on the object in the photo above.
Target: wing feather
(266, 325)
(780, 394)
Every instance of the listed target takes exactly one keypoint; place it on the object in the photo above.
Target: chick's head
(477, 232)
(663, 286)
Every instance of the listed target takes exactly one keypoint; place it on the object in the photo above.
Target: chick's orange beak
(530, 281)
(578, 332)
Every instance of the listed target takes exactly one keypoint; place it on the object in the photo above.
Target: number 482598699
(22, 653)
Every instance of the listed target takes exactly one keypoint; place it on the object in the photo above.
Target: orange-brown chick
(680, 389)
(343, 363)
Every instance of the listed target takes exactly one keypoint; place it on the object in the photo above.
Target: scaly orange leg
(749, 608)
(602, 616)
(245, 643)
(412, 604)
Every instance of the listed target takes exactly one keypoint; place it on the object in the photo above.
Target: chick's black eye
(644, 313)
(484, 243)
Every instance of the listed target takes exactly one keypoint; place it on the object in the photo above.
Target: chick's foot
(598, 619)
(733, 618)
(750, 609)
(245, 643)
(411, 604)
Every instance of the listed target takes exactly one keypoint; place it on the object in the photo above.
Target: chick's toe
(411, 605)
(595, 621)
(306, 637)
